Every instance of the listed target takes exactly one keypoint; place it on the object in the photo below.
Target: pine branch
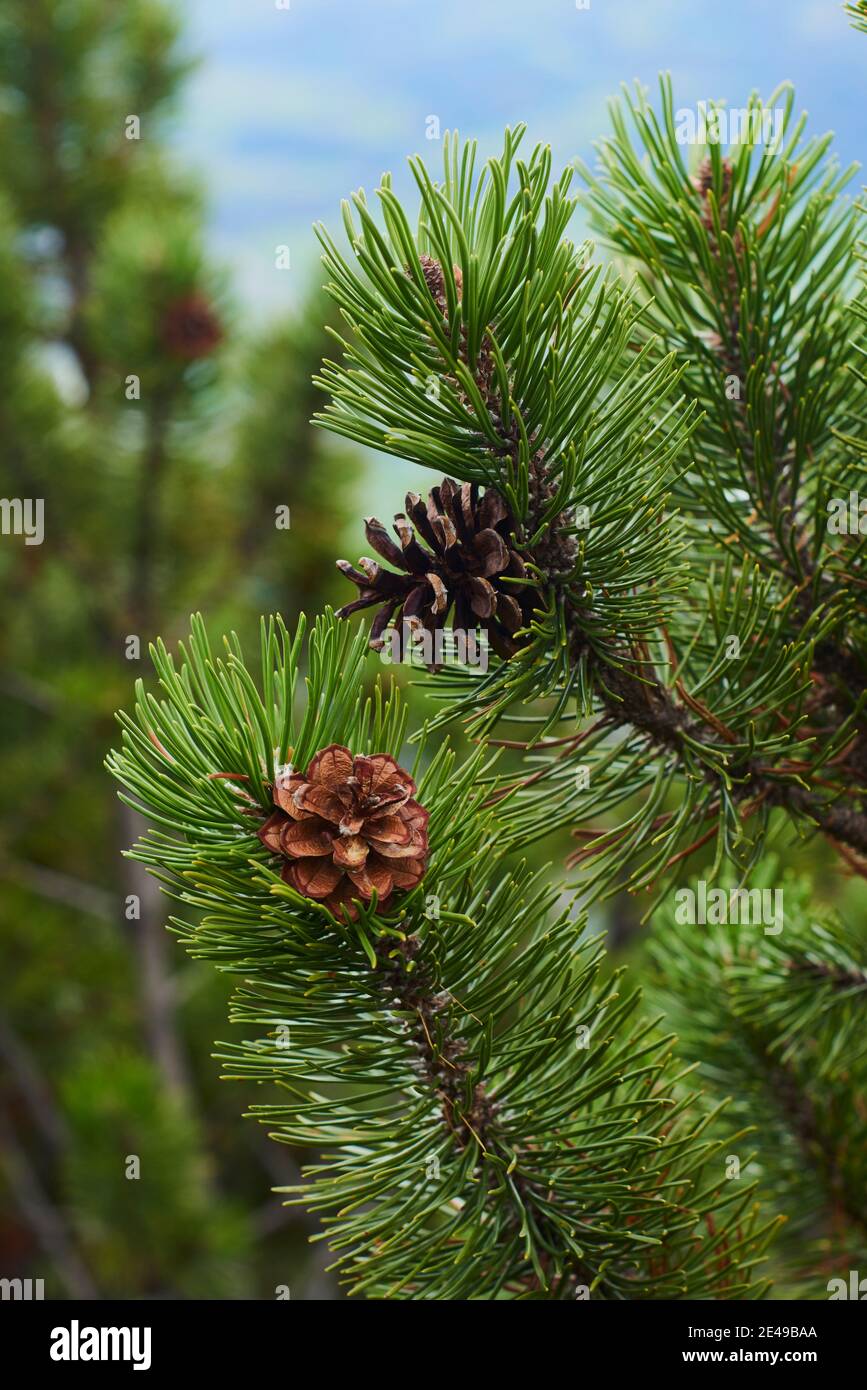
(777, 1023)
(741, 693)
(857, 12)
(511, 370)
(746, 260)
(425, 1043)
(749, 260)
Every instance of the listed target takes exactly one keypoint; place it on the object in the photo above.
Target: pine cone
(190, 328)
(434, 278)
(702, 182)
(346, 827)
(455, 552)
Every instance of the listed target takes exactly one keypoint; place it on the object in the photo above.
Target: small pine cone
(190, 329)
(435, 280)
(485, 367)
(457, 552)
(702, 179)
(702, 182)
(346, 828)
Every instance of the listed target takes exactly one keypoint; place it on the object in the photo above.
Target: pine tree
(641, 506)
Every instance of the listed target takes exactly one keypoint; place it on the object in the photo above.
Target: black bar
(247, 1338)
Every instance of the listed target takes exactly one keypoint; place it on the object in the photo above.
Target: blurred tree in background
(177, 470)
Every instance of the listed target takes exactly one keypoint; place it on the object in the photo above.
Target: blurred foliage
(160, 497)
(114, 1099)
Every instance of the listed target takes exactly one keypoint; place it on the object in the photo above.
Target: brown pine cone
(434, 278)
(702, 182)
(190, 329)
(456, 552)
(347, 827)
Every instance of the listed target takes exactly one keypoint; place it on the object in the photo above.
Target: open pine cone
(347, 827)
(455, 552)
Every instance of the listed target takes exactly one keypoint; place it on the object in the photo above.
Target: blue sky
(293, 108)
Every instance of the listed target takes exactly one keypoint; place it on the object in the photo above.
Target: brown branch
(444, 1069)
(632, 697)
(446, 1072)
